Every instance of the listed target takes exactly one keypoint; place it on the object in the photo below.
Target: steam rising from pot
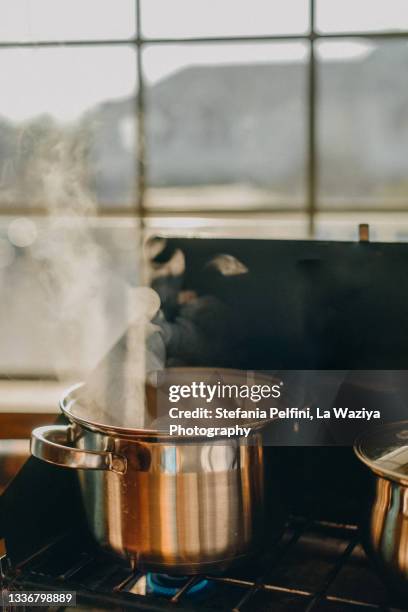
(114, 392)
(101, 323)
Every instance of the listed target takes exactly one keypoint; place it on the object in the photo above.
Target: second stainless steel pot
(385, 522)
(169, 505)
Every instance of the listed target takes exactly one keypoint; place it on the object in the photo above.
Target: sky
(66, 81)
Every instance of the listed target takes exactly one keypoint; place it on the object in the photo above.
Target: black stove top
(316, 565)
(345, 291)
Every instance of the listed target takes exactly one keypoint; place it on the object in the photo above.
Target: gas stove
(315, 565)
(318, 563)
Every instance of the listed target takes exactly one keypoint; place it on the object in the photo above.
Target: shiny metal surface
(385, 451)
(81, 407)
(178, 506)
(385, 530)
(51, 443)
(385, 526)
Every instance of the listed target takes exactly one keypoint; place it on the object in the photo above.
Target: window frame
(139, 41)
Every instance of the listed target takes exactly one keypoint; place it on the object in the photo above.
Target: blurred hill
(231, 124)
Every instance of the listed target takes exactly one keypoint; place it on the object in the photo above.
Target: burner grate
(316, 566)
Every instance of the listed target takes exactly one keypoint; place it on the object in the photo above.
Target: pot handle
(51, 444)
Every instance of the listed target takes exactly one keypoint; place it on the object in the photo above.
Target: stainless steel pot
(385, 526)
(169, 505)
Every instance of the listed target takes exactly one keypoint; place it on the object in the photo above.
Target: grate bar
(288, 590)
(332, 574)
(240, 582)
(333, 598)
(177, 596)
(126, 582)
(41, 551)
(86, 560)
(99, 581)
(336, 526)
(365, 604)
(273, 560)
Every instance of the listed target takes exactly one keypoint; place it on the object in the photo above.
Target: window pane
(363, 123)
(36, 20)
(67, 126)
(360, 15)
(225, 125)
(188, 18)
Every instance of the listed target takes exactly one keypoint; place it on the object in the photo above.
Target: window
(271, 119)
(225, 125)
(175, 107)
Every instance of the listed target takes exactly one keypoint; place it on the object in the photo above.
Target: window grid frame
(311, 37)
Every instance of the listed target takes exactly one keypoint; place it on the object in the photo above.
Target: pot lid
(151, 417)
(78, 409)
(385, 451)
